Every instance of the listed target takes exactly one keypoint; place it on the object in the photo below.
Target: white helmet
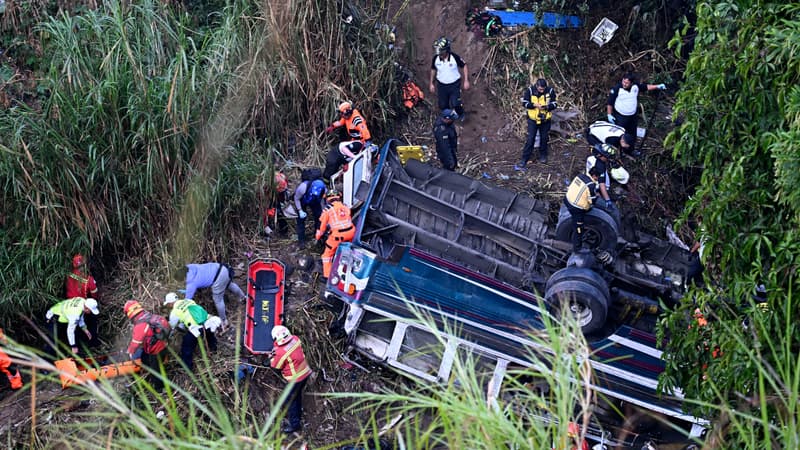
(91, 304)
(170, 298)
(620, 174)
(281, 334)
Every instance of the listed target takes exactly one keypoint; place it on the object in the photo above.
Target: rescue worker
(218, 277)
(310, 193)
(602, 132)
(277, 195)
(149, 339)
(193, 318)
(8, 367)
(446, 139)
(578, 200)
(622, 106)
(336, 220)
(288, 357)
(65, 316)
(448, 69)
(80, 283)
(574, 433)
(539, 100)
(357, 131)
(603, 157)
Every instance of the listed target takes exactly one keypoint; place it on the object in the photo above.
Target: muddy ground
(490, 143)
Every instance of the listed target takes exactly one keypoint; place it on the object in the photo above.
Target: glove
(330, 129)
(662, 87)
(302, 214)
(611, 118)
(609, 204)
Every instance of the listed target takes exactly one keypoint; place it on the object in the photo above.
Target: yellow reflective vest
(546, 98)
(68, 308)
(581, 192)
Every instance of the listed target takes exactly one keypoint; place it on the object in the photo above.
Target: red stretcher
(265, 290)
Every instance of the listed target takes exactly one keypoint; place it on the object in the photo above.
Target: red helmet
(573, 429)
(281, 183)
(132, 308)
(77, 261)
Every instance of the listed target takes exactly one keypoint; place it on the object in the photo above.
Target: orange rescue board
(70, 375)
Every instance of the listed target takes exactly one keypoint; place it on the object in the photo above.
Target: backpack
(158, 334)
(310, 174)
(198, 313)
(484, 22)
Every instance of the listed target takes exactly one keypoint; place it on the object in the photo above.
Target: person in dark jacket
(539, 101)
(446, 139)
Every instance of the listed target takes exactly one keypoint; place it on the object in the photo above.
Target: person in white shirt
(448, 70)
(623, 102)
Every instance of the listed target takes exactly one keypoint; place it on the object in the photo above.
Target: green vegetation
(740, 106)
(142, 110)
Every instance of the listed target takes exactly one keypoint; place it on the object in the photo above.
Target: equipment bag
(311, 174)
(198, 313)
(158, 334)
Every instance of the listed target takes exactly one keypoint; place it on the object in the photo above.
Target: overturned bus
(487, 262)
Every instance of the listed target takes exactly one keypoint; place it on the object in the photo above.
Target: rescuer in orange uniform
(357, 131)
(149, 338)
(80, 283)
(335, 218)
(288, 357)
(7, 366)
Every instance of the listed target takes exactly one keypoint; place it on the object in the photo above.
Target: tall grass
(144, 111)
(531, 411)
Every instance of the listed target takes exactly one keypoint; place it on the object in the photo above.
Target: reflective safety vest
(68, 308)
(337, 216)
(539, 115)
(291, 361)
(581, 192)
(356, 126)
(181, 311)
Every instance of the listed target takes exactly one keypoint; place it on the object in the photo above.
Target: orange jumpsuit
(337, 217)
(356, 127)
(8, 367)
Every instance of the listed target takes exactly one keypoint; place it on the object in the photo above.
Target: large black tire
(601, 231)
(583, 292)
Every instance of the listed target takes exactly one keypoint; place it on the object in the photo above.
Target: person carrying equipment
(65, 316)
(337, 220)
(579, 200)
(149, 338)
(360, 137)
(8, 367)
(288, 357)
(196, 321)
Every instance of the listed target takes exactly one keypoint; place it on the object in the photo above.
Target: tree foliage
(739, 103)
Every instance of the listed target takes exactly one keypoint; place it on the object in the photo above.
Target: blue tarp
(528, 18)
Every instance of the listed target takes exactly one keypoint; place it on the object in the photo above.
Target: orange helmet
(281, 183)
(132, 308)
(345, 108)
(78, 261)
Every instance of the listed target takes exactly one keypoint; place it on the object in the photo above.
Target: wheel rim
(581, 313)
